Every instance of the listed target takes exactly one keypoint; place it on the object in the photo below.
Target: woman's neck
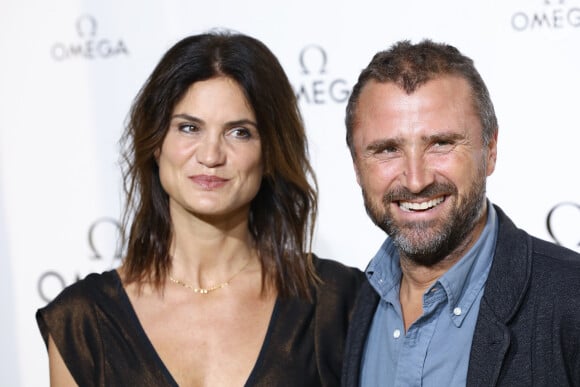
(206, 250)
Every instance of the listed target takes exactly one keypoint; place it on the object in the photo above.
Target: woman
(215, 289)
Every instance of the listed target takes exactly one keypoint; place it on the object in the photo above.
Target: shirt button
(457, 311)
(396, 333)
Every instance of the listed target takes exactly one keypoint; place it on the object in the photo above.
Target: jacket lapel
(505, 288)
(362, 317)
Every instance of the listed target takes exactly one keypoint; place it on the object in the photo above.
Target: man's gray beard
(423, 242)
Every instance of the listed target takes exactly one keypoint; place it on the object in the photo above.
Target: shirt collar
(384, 270)
(462, 283)
(464, 280)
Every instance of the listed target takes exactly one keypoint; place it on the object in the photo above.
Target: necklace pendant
(210, 289)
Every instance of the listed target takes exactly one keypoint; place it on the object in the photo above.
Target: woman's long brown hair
(283, 213)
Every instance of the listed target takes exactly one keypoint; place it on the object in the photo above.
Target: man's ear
(492, 154)
(356, 171)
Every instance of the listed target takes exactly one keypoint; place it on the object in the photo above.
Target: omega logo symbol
(86, 26)
(103, 233)
(89, 45)
(563, 223)
(105, 240)
(317, 86)
(313, 55)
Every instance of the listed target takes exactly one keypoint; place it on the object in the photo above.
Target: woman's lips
(208, 181)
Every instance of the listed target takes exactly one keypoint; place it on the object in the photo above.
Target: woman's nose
(210, 151)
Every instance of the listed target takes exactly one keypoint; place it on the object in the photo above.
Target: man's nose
(417, 174)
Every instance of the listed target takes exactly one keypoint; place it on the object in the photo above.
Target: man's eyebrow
(448, 136)
(397, 142)
(379, 145)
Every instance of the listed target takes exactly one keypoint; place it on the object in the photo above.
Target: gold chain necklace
(211, 288)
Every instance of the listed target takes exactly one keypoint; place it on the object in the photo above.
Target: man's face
(422, 166)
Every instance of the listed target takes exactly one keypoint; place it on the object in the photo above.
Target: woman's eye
(188, 128)
(241, 133)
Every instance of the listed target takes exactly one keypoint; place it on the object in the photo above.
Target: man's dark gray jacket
(528, 327)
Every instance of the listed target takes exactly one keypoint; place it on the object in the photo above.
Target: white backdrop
(70, 69)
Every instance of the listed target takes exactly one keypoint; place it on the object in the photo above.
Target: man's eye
(443, 146)
(384, 152)
(388, 149)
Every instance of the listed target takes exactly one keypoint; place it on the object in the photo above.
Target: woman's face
(210, 162)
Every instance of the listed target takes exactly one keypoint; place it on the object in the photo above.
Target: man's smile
(421, 206)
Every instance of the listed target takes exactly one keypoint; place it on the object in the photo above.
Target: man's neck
(415, 281)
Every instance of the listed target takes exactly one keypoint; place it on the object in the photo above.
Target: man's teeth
(408, 206)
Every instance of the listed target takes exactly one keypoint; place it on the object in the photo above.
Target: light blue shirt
(435, 350)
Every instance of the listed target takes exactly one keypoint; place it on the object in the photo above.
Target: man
(456, 295)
